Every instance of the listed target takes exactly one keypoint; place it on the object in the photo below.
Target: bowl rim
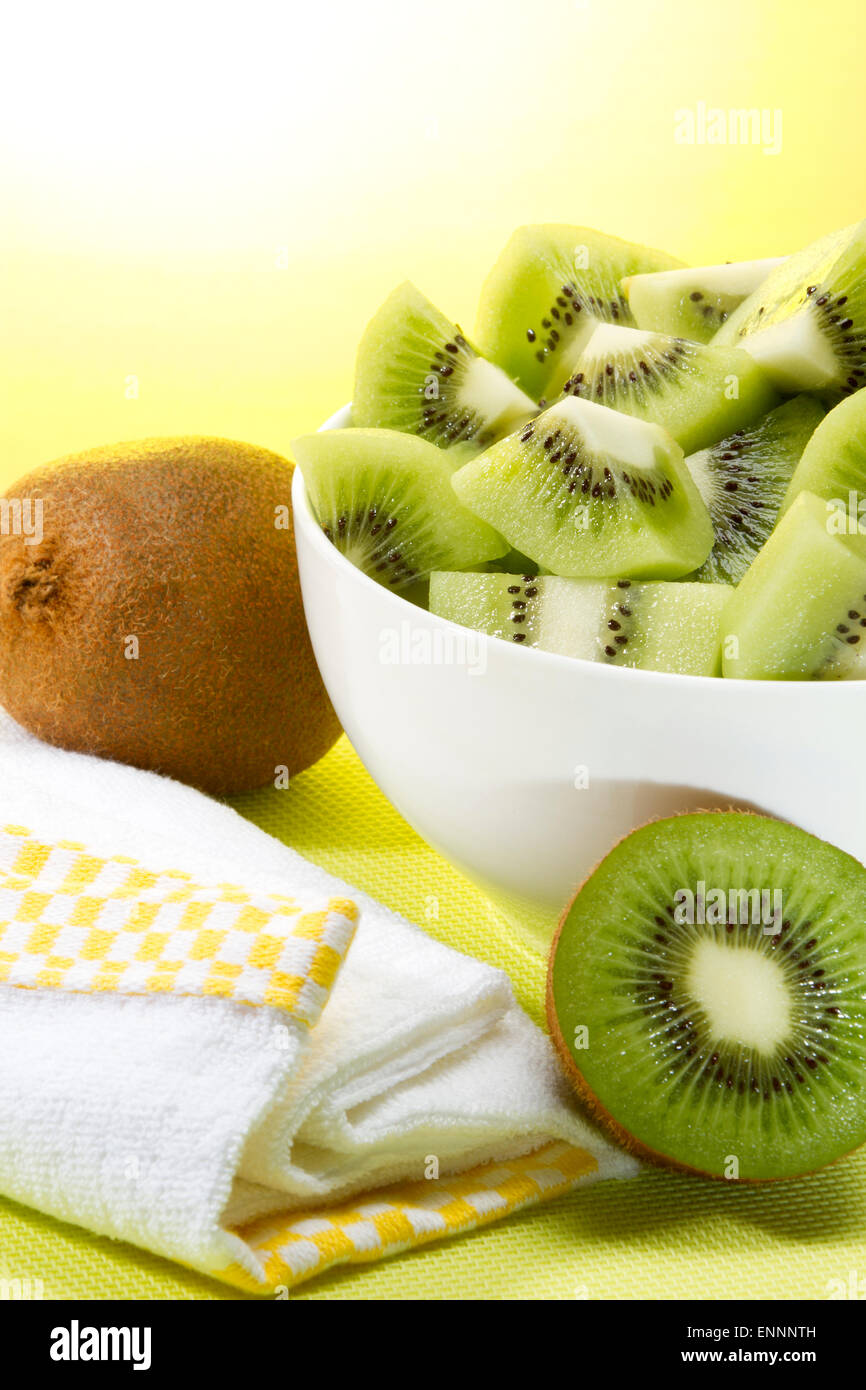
(341, 419)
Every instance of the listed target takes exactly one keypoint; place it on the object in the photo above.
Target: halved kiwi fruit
(833, 464)
(743, 480)
(417, 372)
(693, 302)
(657, 626)
(806, 324)
(385, 500)
(590, 493)
(800, 611)
(707, 994)
(550, 279)
(698, 394)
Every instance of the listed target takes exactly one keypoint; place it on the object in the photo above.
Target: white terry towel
(233, 1138)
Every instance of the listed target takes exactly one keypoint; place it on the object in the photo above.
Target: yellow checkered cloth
(76, 921)
(401, 1217)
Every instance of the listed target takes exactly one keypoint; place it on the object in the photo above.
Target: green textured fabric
(656, 1236)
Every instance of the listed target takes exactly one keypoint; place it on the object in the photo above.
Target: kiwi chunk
(693, 302)
(800, 611)
(417, 372)
(833, 464)
(743, 480)
(589, 493)
(385, 501)
(806, 324)
(698, 394)
(658, 626)
(550, 279)
(707, 994)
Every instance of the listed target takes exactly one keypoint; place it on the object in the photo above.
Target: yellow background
(213, 199)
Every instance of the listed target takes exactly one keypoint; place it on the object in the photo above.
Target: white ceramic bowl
(524, 768)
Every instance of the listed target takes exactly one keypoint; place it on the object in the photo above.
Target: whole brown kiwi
(153, 613)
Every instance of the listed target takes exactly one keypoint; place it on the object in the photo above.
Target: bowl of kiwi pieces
(602, 561)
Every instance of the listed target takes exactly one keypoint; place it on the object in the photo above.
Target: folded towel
(193, 1056)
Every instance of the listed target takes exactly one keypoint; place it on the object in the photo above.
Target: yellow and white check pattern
(402, 1217)
(77, 921)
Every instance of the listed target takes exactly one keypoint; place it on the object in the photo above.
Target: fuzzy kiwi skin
(587, 1097)
(174, 542)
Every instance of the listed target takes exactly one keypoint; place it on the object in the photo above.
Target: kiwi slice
(658, 626)
(743, 480)
(833, 464)
(590, 493)
(800, 611)
(707, 994)
(806, 324)
(693, 303)
(417, 372)
(548, 282)
(697, 393)
(385, 500)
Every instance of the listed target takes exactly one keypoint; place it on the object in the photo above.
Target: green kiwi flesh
(743, 480)
(418, 373)
(800, 611)
(698, 394)
(385, 501)
(513, 562)
(707, 994)
(806, 324)
(658, 626)
(693, 302)
(833, 464)
(549, 280)
(589, 493)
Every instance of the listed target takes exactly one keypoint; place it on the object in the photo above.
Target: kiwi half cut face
(743, 481)
(799, 613)
(659, 626)
(707, 993)
(417, 372)
(806, 324)
(385, 500)
(698, 394)
(590, 493)
(693, 303)
(551, 284)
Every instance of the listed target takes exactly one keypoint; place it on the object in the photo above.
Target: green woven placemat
(657, 1236)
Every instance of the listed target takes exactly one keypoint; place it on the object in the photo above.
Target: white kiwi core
(742, 992)
(487, 391)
